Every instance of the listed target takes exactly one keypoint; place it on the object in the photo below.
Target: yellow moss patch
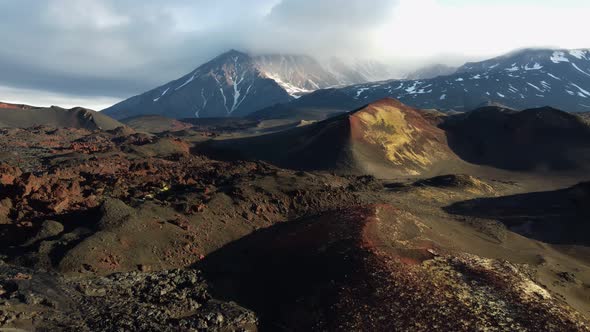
(387, 127)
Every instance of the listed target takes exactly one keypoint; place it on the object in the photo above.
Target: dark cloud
(118, 48)
(348, 14)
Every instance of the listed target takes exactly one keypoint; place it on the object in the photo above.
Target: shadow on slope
(385, 139)
(375, 268)
(558, 217)
(542, 139)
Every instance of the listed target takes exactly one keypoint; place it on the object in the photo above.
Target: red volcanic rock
(8, 174)
(5, 208)
(14, 106)
(27, 184)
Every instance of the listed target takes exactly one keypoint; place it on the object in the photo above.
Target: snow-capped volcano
(229, 85)
(235, 84)
(524, 79)
(297, 74)
(302, 74)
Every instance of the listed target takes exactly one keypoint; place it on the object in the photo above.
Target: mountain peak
(231, 53)
(236, 83)
(228, 85)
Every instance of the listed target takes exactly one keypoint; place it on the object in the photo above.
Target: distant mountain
(24, 116)
(317, 105)
(229, 85)
(525, 79)
(359, 70)
(301, 74)
(431, 71)
(236, 84)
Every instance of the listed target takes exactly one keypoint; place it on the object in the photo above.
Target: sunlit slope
(385, 138)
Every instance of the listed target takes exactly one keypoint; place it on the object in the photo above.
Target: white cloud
(123, 47)
(420, 28)
(45, 99)
(81, 14)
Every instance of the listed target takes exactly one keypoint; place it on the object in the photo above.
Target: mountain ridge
(228, 85)
(519, 80)
(236, 84)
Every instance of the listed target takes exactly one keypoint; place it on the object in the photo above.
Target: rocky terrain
(373, 220)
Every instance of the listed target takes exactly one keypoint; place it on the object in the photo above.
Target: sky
(94, 53)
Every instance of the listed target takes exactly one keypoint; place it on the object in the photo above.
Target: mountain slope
(543, 139)
(317, 105)
(389, 139)
(229, 85)
(431, 71)
(301, 74)
(525, 79)
(24, 116)
(520, 80)
(236, 84)
(385, 138)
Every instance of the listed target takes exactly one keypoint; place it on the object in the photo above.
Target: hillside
(385, 138)
(388, 139)
(543, 139)
(23, 116)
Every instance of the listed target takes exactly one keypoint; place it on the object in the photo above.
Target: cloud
(80, 14)
(112, 49)
(45, 98)
(324, 28)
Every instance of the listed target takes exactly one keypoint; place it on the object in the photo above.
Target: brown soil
(105, 230)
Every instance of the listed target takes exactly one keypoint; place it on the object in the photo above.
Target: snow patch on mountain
(534, 86)
(192, 78)
(579, 54)
(559, 56)
(582, 91)
(580, 70)
(162, 95)
(536, 66)
(291, 89)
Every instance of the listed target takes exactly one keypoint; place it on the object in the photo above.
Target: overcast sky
(96, 52)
